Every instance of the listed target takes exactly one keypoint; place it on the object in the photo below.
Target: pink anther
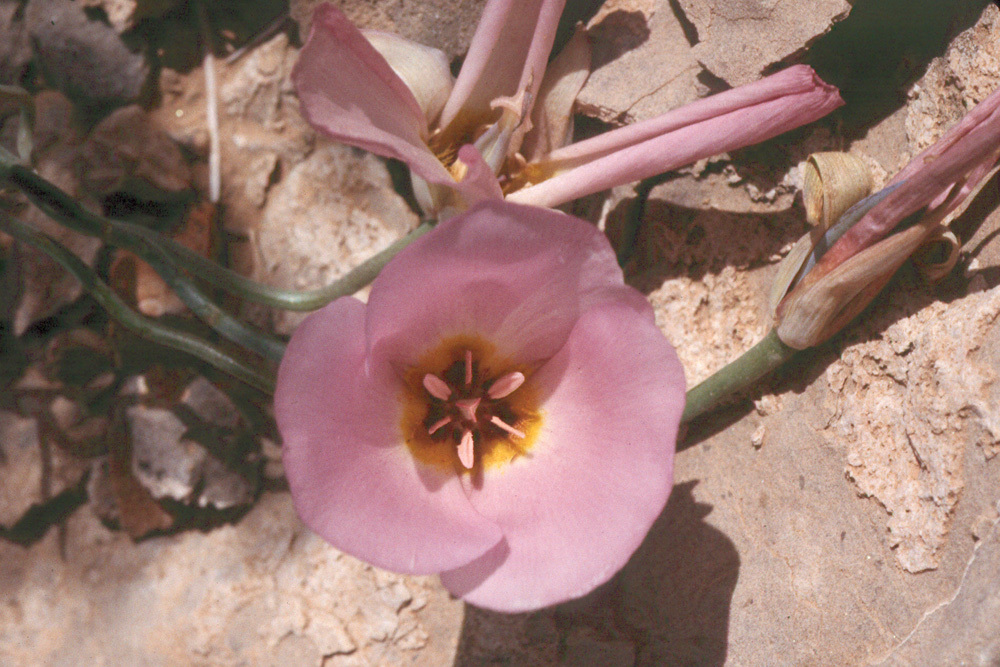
(437, 387)
(466, 453)
(505, 385)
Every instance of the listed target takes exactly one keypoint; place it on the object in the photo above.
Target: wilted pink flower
(502, 411)
(859, 263)
(499, 129)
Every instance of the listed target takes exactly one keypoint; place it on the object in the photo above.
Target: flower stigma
(465, 405)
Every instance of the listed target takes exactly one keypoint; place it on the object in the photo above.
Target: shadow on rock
(668, 606)
(882, 48)
(677, 241)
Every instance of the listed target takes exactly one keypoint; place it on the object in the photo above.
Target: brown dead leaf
(138, 513)
(141, 285)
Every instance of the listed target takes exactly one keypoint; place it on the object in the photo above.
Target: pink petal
(578, 505)
(352, 479)
(962, 157)
(349, 92)
(507, 53)
(516, 275)
(479, 182)
(739, 117)
(425, 70)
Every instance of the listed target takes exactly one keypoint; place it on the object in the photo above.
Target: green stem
(147, 244)
(58, 205)
(7, 162)
(134, 322)
(307, 300)
(752, 365)
(206, 310)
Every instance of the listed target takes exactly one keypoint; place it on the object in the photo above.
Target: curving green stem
(306, 300)
(57, 204)
(752, 365)
(145, 243)
(131, 320)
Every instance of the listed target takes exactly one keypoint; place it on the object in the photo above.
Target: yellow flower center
(466, 408)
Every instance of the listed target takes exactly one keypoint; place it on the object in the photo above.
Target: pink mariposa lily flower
(503, 411)
(501, 127)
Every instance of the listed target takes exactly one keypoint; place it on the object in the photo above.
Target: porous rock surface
(265, 592)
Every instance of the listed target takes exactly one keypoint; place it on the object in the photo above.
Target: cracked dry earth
(846, 513)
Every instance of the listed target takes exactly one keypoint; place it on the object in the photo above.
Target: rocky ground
(844, 513)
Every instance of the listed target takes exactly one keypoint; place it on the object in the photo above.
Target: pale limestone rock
(691, 287)
(774, 555)
(79, 428)
(955, 82)
(907, 404)
(15, 47)
(642, 64)
(961, 630)
(162, 460)
(84, 58)
(738, 39)
(903, 406)
(127, 153)
(170, 465)
(20, 467)
(261, 132)
(328, 214)
(210, 404)
(311, 209)
(651, 56)
(443, 24)
(264, 592)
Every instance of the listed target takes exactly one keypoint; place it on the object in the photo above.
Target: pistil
(470, 405)
(494, 143)
(467, 407)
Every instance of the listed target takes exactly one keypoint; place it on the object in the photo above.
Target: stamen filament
(468, 368)
(505, 385)
(436, 426)
(466, 453)
(437, 387)
(496, 421)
